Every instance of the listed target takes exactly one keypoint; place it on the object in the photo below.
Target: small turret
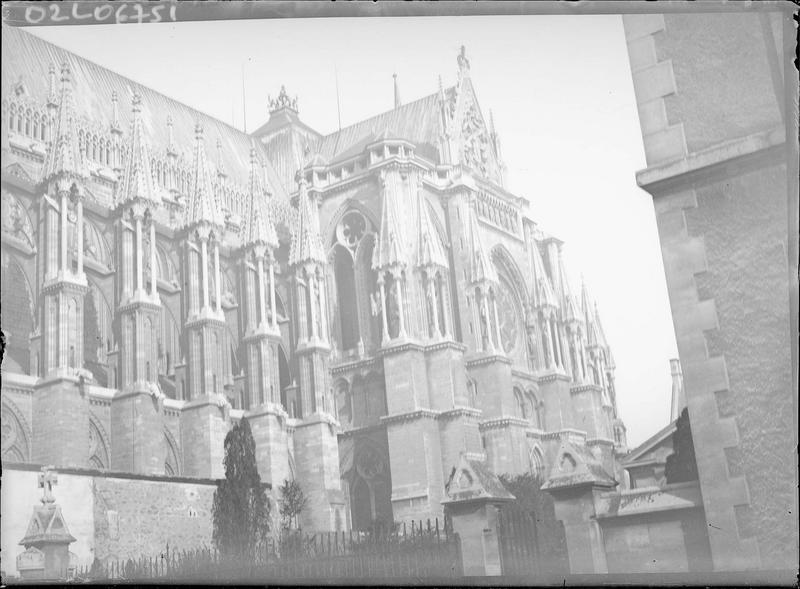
(203, 205)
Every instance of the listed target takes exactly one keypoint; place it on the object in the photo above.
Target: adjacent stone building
(373, 300)
(717, 99)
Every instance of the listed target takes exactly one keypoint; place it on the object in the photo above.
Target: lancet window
(356, 308)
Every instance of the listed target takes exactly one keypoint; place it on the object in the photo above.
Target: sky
(559, 88)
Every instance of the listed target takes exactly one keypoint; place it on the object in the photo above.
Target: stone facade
(720, 139)
(373, 300)
(112, 517)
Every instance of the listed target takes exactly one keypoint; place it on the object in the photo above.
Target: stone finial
(52, 95)
(220, 161)
(463, 62)
(64, 158)
(282, 101)
(47, 479)
(396, 92)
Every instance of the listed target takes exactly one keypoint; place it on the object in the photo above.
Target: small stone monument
(474, 496)
(47, 540)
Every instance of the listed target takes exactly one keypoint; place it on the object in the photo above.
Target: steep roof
(28, 58)
(418, 122)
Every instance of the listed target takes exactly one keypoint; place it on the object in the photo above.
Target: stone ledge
(501, 422)
(110, 474)
(487, 359)
(653, 177)
(410, 416)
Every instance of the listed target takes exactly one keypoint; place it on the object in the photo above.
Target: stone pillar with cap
(576, 482)
(474, 497)
(47, 539)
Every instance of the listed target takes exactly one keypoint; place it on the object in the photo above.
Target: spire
(396, 92)
(260, 229)
(570, 303)
(171, 149)
(306, 243)
(593, 335)
(543, 293)
(64, 156)
(463, 64)
(390, 249)
(220, 162)
(481, 267)
(115, 109)
(203, 205)
(52, 94)
(678, 394)
(137, 177)
(429, 250)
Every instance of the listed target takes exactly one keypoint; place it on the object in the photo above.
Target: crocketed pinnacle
(137, 181)
(203, 205)
(543, 293)
(306, 243)
(260, 229)
(594, 335)
(429, 249)
(571, 307)
(64, 157)
(390, 251)
(480, 268)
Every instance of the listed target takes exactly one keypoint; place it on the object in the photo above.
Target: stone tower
(315, 441)
(136, 410)
(262, 337)
(59, 405)
(205, 418)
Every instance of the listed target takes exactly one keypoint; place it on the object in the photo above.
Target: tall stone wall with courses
(709, 93)
(111, 517)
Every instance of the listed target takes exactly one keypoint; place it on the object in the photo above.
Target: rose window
(351, 229)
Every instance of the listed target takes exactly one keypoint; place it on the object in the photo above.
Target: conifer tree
(241, 507)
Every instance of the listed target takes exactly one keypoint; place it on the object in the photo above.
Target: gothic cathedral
(373, 301)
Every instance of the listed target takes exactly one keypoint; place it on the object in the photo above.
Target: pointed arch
(172, 455)
(17, 314)
(99, 444)
(351, 204)
(15, 442)
(506, 264)
(95, 246)
(536, 463)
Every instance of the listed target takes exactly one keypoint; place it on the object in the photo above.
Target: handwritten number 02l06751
(133, 12)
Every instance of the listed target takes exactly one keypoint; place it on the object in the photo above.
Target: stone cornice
(502, 422)
(696, 166)
(401, 346)
(453, 345)
(457, 412)
(581, 388)
(410, 416)
(487, 359)
(524, 375)
(361, 430)
(354, 365)
(554, 376)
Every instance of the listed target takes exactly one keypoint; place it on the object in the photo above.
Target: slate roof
(28, 58)
(418, 122)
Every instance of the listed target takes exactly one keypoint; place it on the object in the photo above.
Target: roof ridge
(380, 114)
(116, 73)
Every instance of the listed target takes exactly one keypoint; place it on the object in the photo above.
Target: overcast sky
(561, 93)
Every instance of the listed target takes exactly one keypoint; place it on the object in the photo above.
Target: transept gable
(472, 142)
